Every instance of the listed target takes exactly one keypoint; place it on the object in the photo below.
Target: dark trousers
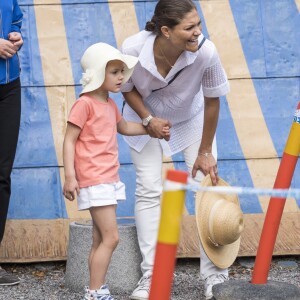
(10, 114)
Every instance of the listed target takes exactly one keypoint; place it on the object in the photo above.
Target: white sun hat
(94, 61)
(220, 224)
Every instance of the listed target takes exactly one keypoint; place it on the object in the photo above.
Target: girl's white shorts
(101, 195)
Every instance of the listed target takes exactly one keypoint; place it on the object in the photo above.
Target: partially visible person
(90, 154)
(178, 81)
(10, 108)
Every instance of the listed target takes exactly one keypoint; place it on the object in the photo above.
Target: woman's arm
(156, 126)
(205, 162)
(71, 184)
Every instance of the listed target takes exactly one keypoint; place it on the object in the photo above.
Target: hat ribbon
(87, 77)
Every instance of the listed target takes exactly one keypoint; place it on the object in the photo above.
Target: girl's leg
(105, 240)
(96, 240)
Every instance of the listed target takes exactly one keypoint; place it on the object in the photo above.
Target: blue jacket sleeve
(17, 18)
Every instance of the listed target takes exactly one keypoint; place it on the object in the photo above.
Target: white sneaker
(101, 294)
(87, 294)
(143, 289)
(211, 281)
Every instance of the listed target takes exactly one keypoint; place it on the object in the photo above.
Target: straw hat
(94, 61)
(220, 223)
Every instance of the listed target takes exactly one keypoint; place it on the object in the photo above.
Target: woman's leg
(148, 166)
(105, 240)
(207, 268)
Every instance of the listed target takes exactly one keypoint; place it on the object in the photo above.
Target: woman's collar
(146, 57)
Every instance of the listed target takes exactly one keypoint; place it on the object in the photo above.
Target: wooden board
(47, 240)
(287, 243)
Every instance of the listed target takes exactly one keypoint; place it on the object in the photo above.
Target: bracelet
(205, 153)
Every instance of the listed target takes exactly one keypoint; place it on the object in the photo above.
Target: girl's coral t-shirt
(96, 149)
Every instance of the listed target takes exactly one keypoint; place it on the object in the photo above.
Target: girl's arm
(71, 184)
(132, 128)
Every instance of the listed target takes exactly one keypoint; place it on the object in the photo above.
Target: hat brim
(221, 256)
(130, 62)
(98, 79)
(96, 58)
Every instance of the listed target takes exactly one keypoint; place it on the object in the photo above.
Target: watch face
(145, 122)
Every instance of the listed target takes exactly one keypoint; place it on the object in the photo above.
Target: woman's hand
(159, 128)
(206, 163)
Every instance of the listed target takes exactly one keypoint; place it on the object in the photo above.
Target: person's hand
(166, 132)
(159, 128)
(70, 186)
(207, 164)
(7, 49)
(16, 39)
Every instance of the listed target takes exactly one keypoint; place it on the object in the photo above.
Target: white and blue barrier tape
(278, 193)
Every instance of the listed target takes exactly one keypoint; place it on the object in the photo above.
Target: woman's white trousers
(148, 165)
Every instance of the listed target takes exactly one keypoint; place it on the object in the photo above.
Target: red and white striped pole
(168, 235)
(276, 204)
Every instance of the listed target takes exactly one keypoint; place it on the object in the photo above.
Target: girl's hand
(70, 186)
(156, 128)
(166, 133)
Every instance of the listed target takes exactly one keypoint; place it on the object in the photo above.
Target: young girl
(90, 154)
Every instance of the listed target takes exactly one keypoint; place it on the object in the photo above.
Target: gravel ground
(46, 280)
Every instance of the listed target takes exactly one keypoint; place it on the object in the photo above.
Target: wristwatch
(147, 120)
